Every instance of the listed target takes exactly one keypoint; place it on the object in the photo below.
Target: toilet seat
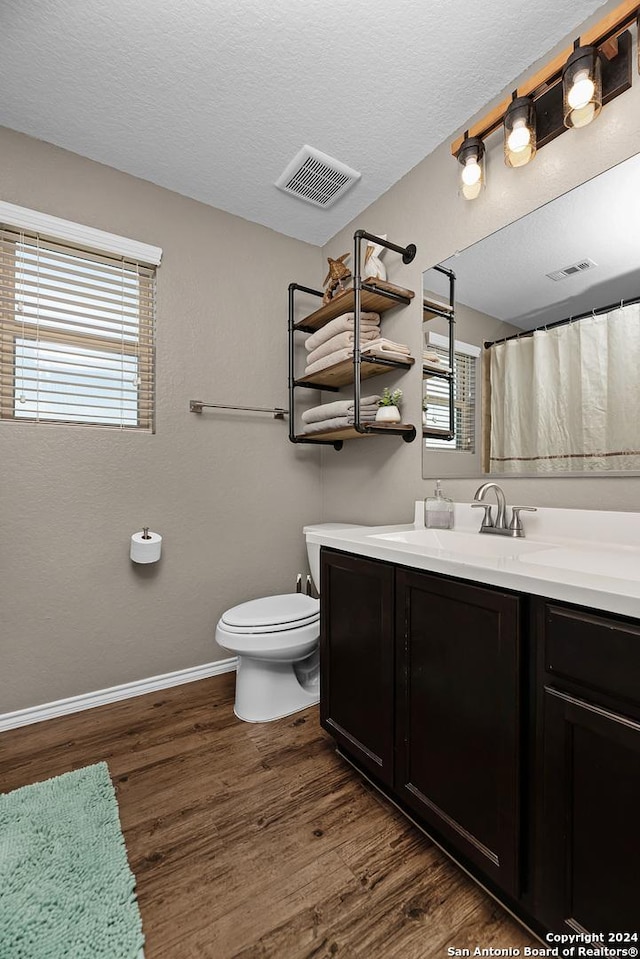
(272, 614)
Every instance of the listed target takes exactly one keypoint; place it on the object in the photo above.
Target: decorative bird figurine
(338, 272)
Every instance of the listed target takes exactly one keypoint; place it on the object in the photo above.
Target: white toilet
(276, 641)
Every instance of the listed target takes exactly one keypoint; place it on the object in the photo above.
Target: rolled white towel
(341, 324)
(327, 411)
(340, 341)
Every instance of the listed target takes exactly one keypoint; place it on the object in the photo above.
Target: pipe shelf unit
(432, 308)
(370, 294)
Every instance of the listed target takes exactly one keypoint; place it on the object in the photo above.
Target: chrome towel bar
(197, 406)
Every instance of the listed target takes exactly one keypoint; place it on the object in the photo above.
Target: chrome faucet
(515, 527)
(487, 522)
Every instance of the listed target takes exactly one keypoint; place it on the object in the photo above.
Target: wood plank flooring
(254, 841)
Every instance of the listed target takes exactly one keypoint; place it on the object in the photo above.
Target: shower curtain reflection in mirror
(566, 398)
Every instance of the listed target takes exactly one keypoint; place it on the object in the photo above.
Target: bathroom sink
(619, 562)
(478, 545)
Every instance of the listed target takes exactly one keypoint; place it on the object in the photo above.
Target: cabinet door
(459, 717)
(589, 830)
(356, 658)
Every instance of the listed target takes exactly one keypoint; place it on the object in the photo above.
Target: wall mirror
(545, 374)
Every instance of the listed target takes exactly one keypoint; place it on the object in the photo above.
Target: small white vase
(388, 414)
(373, 266)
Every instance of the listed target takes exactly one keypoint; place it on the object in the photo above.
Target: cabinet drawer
(598, 652)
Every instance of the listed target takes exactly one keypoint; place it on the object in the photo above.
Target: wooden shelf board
(344, 303)
(431, 314)
(444, 374)
(436, 434)
(350, 433)
(432, 308)
(342, 373)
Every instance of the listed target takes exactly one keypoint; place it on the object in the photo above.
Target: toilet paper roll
(146, 550)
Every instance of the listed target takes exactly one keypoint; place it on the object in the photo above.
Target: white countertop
(587, 557)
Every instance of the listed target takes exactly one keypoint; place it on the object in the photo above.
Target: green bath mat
(66, 890)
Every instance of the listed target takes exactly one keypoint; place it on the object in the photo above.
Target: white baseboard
(74, 704)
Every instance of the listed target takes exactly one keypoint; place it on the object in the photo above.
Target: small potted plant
(388, 411)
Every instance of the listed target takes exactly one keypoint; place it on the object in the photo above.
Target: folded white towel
(340, 341)
(431, 361)
(327, 411)
(368, 321)
(330, 360)
(383, 345)
(337, 423)
(386, 354)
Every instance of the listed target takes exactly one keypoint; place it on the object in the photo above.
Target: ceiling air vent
(579, 267)
(317, 178)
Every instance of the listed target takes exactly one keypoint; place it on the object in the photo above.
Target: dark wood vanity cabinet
(357, 659)
(589, 782)
(458, 710)
(507, 726)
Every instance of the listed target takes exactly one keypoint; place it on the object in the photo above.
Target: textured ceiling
(212, 98)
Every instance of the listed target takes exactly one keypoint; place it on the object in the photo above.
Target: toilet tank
(313, 549)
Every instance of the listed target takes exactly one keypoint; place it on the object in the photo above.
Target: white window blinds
(436, 400)
(76, 333)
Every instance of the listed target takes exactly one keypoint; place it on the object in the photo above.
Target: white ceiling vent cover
(578, 267)
(317, 178)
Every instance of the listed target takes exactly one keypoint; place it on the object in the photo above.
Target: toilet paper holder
(145, 547)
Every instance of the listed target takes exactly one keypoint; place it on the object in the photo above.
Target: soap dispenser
(438, 510)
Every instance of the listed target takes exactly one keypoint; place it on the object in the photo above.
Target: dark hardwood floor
(255, 841)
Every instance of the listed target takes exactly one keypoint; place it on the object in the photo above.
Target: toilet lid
(288, 611)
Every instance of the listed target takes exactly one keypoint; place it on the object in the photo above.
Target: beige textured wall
(228, 492)
(377, 480)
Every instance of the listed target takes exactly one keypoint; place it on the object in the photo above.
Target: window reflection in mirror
(565, 399)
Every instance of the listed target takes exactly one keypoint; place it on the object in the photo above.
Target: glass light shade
(471, 172)
(520, 132)
(471, 157)
(582, 87)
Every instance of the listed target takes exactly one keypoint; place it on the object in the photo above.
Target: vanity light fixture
(568, 92)
(582, 86)
(519, 131)
(471, 158)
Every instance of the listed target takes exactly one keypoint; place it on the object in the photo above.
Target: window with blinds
(436, 402)
(76, 334)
